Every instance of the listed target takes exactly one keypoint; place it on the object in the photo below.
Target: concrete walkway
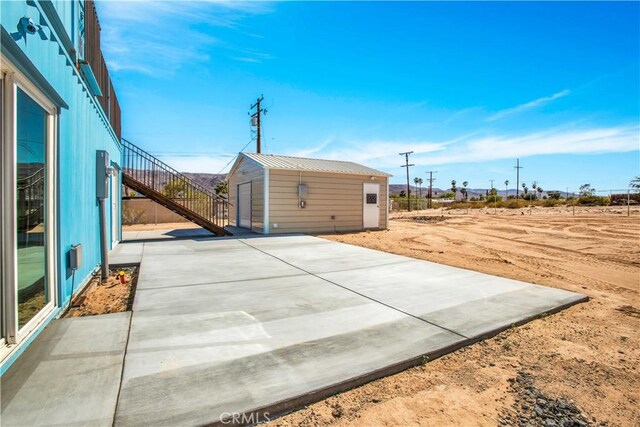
(261, 325)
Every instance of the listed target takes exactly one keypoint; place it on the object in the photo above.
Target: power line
(234, 157)
(406, 165)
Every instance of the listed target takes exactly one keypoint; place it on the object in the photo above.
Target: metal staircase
(153, 178)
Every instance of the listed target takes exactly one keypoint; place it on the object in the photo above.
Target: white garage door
(244, 205)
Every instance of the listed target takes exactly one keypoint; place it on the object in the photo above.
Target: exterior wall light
(27, 26)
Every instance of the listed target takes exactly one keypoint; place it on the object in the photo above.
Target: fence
(573, 203)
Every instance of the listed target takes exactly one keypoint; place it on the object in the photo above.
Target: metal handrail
(152, 173)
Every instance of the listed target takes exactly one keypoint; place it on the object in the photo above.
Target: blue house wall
(83, 128)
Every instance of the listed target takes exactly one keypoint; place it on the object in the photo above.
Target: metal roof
(272, 161)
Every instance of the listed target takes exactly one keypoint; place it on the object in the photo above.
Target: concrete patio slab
(269, 323)
(315, 255)
(195, 355)
(69, 376)
(256, 325)
(226, 260)
(126, 253)
(467, 302)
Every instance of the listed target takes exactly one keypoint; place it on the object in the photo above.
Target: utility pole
(495, 198)
(517, 167)
(255, 120)
(431, 179)
(406, 165)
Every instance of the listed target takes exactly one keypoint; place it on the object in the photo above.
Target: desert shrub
(467, 205)
(549, 203)
(515, 204)
(131, 216)
(553, 195)
(593, 201)
(493, 198)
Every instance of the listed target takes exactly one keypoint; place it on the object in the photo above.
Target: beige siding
(329, 194)
(248, 171)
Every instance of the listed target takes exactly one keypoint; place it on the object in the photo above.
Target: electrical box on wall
(102, 174)
(75, 257)
(303, 191)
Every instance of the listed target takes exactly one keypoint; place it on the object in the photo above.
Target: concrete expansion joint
(358, 293)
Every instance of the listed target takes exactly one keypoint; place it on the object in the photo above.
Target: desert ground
(587, 355)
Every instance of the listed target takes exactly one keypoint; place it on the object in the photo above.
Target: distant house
(272, 194)
(60, 118)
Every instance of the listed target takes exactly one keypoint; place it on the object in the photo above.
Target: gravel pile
(534, 409)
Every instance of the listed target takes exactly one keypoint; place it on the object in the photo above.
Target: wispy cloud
(472, 148)
(157, 38)
(527, 106)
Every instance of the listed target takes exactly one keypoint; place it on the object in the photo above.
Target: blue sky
(469, 87)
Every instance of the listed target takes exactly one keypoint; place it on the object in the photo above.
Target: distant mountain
(207, 180)
(471, 192)
(397, 188)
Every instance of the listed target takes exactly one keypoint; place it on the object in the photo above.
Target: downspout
(265, 219)
(102, 191)
(104, 248)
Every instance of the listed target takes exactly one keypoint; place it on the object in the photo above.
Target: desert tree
(175, 189)
(222, 188)
(506, 189)
(465, 184)
(418, 182)
(539, 190)
(534, 186)
(635, 183)
(454, 189)
(586, 190)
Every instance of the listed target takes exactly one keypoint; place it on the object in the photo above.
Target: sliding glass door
(27, 173)
(31, 202)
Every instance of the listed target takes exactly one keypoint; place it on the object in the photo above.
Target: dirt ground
(109, 297)
(587, 355)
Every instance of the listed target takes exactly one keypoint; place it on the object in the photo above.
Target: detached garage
(272, 194)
